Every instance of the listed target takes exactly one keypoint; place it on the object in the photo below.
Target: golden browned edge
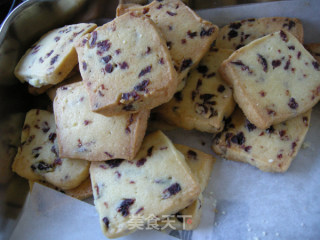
(37, 91)
(312, 48)
(83, 191)
(139, 132)
(238, 155)
(125, 7)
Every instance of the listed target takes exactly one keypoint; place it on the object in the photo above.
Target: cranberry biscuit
(38, 156)
(157, 182)
(206, 98)
(126, 66)
(92, 136)
(274, 78)
(53, 57)
(188, 36)
(238, 34)
(269, 150)
(201, 165)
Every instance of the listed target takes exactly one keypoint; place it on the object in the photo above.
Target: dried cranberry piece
(202, 69)
(250, 126)
(54, 59)
(106, 222)
(299, 55)
(84, 65)
(282, 133)
(238, 139)
(316, 65)
(293, 104)
(94, 38)
(45, 127)
(290, 25)
(283, 36)
(192, 34)
(286, 67)
(54, 150)
(178, 96)
(235, 25)
(49, 53)
(263, 62)
(103, 46)
(270, 130)
(291, 47)
(221, 88)
(207, 32)
(124, 206)
(114, 163)
(139, 210)
(35, 49)
(232, 34)
(247, 148)
(185, 64)
(57, 161)
(207, 96)
(141, 162)
(42, 167)
(52, 137)
(142, 85)
(145, 10)
(172, 190)
(106, 59)
(145, 71)
(57, 39)
(276, 63)
(242, 65)
(109, 68)
(108, 154)
(192, 154)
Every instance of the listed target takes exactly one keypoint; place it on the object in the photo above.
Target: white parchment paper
(250, 204)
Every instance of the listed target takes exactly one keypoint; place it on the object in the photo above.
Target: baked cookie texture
(271, 150)
(201, 165)
(314, 49)
(53, 57)
(38, 156)
(87, 135)
(239, 33)
(274, 78)
(206, 99)
(157, 182)
(126, 66)
(188, 36)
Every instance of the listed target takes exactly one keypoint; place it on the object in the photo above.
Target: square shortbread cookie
(188, 36)
(269, 150)
(126, 66)
(53, 57)
(92, 136)
(157, 182)
(38, 157)
(274, 78)
(206, 99)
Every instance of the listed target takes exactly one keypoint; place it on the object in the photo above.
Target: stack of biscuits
(252, 85)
